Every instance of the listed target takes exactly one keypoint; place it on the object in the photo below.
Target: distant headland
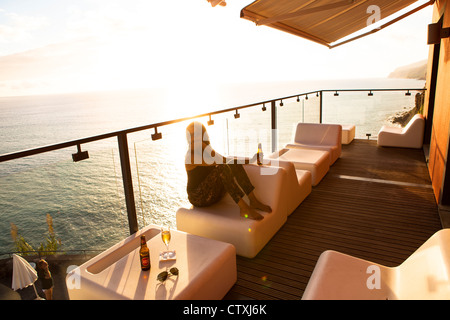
(416, 71)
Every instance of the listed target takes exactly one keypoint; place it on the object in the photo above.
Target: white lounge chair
(424, 275)
(297, 186)
(411, 136)
(222, 221)
(319, 136)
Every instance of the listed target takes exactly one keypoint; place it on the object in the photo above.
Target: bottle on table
(144, 254)
(259, 155)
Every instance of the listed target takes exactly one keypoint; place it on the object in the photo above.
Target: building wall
(441, 118)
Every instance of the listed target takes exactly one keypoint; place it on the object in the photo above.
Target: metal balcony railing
(122, 137)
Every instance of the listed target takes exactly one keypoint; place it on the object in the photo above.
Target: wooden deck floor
(374, 203)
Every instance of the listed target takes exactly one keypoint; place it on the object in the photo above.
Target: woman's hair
(41, 263)
(196, 133)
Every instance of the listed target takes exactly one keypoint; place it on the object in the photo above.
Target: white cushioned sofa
(411, 136)
(222, 221)
(425, 274)
(319, 136)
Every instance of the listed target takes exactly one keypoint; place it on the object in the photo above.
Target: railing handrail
(66, 144)
(50, 252)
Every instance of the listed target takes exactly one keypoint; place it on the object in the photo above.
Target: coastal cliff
(402, 118)
(416, 71)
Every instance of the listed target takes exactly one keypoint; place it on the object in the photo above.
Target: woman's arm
(47, 273)
(215, 157)
(240, 160)
(210, 157)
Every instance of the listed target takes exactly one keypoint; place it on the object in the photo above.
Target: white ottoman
(315, 161)
(348, 133)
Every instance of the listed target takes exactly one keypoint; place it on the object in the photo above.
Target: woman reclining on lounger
(210, 175)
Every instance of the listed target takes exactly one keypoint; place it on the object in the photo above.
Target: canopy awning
(327, 21)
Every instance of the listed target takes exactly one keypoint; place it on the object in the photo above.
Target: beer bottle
(144, 254)
(259, 155)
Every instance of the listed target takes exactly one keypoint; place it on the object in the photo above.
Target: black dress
(45, 283)
(207, 184)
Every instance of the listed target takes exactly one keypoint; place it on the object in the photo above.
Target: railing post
(127, 182)
(273, 110)
(321, 106)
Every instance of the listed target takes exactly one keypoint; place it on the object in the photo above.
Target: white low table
(315, 161)
(207, 270)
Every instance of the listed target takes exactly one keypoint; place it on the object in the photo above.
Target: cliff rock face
(402, 118)
(416, 70)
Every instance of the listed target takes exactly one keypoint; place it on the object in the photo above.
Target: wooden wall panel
(441, 119)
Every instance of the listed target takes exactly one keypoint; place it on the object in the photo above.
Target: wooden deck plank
(381, 220)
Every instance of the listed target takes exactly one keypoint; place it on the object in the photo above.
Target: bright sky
(51, 46)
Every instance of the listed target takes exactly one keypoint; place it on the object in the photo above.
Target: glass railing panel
(84, 199)
(288, 116)
(311, 113)
(367, 113)
(158, 167)
(159, 174)
(243, 134)
(292, 112)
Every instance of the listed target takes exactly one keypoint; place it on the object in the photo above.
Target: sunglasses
(164, 275)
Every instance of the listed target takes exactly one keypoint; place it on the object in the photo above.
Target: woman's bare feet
(248, 212)
(256, 204)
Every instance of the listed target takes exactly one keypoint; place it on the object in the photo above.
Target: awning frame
(387, 24)
(276, 22)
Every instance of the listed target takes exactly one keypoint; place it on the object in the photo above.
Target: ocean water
(86, 199)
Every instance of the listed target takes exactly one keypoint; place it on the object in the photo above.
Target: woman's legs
(246, 185)
(222, 179)
(248, 212)
(210, 191)
(48, 293)
(236, 171)
(241, 177)
(255, 203)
